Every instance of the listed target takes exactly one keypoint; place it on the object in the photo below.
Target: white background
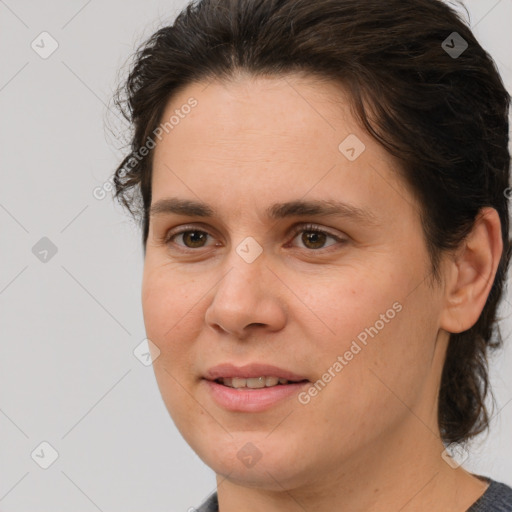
(68, 327)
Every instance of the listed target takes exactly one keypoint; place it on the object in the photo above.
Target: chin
(265, 464)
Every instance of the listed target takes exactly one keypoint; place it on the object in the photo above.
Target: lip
(248, 371)
(251, 400)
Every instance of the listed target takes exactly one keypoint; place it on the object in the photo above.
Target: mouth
(252, 376)
(253, 387)
(255, 382)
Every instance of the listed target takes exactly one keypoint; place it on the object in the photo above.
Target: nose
(248, 297)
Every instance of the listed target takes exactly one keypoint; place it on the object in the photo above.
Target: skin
(369, 441)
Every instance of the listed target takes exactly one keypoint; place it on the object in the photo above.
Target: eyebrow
(297, 208)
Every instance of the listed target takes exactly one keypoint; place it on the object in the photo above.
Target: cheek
(385, 376)
(170, 325)
(170, 310)
(380, 347)
(168, 301)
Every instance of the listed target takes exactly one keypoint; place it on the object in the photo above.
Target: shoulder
(497, 498)
(209, 505)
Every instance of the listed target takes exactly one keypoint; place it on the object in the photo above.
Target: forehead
(292, 108)
(253, 139)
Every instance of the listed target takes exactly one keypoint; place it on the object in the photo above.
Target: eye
(194, 237)
(313, 237)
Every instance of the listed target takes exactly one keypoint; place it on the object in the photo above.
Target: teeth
(237, 382)
(253, 382)
(271, 381)
(256, 382)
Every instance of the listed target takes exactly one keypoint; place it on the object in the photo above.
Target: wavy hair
(443, 116)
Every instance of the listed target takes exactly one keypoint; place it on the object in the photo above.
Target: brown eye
(195, 238)
(314, 238)
(191, 238)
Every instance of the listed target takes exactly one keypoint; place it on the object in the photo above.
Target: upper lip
(228, 370)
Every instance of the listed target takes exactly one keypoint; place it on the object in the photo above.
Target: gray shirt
(497, 498)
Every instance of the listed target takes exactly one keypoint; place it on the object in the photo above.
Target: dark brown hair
(443, 115)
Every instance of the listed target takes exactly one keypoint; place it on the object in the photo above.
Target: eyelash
(309, 228)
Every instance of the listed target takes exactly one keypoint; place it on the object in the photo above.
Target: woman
(322, 188)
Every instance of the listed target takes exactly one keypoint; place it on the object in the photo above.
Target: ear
(471, 273)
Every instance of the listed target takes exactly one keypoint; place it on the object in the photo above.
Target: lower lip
(251, 400)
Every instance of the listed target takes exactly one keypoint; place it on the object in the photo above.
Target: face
(336, 302)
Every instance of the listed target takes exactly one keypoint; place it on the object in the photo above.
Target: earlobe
(472, 272)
